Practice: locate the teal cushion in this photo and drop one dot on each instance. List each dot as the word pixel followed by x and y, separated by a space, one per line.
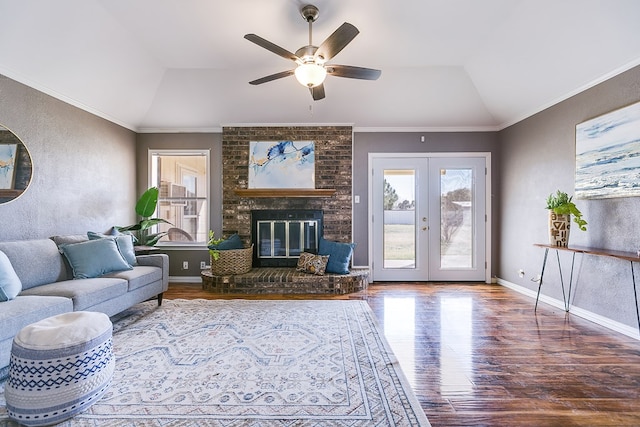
pixel 339 255
pixel 124 242
pixel 94 258
pixel 233 242
pixel 10 284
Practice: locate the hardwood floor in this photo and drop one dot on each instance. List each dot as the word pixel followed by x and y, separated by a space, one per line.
pixel 478 355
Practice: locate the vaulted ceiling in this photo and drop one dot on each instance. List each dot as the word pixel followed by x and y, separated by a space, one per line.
pixel 183 65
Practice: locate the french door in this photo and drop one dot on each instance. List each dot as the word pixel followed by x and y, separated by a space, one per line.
pixel 428 217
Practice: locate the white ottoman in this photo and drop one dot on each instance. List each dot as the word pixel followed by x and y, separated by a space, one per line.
pixel 59 367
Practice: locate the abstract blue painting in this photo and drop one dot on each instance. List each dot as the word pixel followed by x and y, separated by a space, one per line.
pixel 281 164
pixel 7 165
pixel 608 155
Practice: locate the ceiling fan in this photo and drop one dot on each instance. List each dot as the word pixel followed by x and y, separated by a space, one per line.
pixel 312 60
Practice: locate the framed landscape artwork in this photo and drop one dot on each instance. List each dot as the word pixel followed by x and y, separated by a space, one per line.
pixel 7 165
pixel 281 164
pixel 608 155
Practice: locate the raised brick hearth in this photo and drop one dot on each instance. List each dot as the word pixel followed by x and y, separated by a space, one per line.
pixel 275 280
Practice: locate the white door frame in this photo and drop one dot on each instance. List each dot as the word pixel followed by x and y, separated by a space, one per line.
pixel 488 192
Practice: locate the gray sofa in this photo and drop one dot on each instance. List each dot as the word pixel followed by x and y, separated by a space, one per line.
pixel 48 287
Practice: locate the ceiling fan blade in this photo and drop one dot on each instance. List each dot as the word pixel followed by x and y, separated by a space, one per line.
pixel 271 47
pixel 272 77
pixel 337 41
pixel 317 92
pixel 353 72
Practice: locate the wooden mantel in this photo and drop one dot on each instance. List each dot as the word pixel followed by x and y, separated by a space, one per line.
pixel 285 192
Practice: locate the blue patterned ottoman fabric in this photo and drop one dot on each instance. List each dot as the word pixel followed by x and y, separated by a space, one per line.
pixel 59 367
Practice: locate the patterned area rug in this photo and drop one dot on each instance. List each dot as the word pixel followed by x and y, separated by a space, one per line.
pixel 252 363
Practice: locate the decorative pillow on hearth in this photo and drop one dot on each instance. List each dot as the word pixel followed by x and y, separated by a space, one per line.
pixel 314 264
pixel 232 242
pixel 339 255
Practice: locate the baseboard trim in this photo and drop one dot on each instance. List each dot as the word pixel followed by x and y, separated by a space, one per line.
pixel 580 312
pixel 185 279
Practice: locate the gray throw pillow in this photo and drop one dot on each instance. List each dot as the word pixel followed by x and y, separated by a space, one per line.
pixel 124 242
pixel 10 284
pixel 94 258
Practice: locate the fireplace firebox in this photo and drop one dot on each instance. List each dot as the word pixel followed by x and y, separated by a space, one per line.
pixel 280 236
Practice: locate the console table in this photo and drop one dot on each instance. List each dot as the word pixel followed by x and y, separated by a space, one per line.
pixel 625 256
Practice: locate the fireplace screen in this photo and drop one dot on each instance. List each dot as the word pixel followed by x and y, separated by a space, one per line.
pixel 281 236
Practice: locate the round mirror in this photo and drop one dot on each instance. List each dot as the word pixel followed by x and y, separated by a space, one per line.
pixel 15 166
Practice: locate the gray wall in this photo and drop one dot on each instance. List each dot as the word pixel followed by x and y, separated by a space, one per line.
pixel 88 173
pixel 84 167
pixel 538 158
pixel 409 142
pixel 168 141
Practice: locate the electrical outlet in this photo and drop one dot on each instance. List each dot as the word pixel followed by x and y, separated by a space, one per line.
pixel 203 265
pixel 185 265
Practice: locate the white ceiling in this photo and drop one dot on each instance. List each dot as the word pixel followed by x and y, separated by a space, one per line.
pixel 183 65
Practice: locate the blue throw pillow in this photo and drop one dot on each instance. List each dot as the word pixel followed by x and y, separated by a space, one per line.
pixel 124 242
pixel 339 255
pixel 233 242
pixel 10 284
pixel 94 258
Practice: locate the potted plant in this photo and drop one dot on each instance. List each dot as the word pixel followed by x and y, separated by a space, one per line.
pixel 561 208
pixel 145 207
pixel 213 243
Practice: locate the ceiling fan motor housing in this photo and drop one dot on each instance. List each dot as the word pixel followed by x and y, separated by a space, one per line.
pixel 306 53
pixel 309 13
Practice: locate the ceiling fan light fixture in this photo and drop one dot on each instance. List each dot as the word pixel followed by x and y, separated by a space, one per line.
pixel 313 61
pixel 310 74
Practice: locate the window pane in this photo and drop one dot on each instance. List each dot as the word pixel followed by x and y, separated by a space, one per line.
pixel 457 227
pixel 182 178
pixel 399 219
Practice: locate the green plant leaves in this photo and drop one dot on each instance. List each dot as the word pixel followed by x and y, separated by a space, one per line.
pixel 215 254
pixel 146 205
pixel 556 200
pixel 561 204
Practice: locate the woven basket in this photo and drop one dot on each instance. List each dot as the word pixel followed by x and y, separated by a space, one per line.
pixel 232 261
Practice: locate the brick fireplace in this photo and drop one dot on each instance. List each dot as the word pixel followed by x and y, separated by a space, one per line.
pixel 333 174
pixel 333 170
